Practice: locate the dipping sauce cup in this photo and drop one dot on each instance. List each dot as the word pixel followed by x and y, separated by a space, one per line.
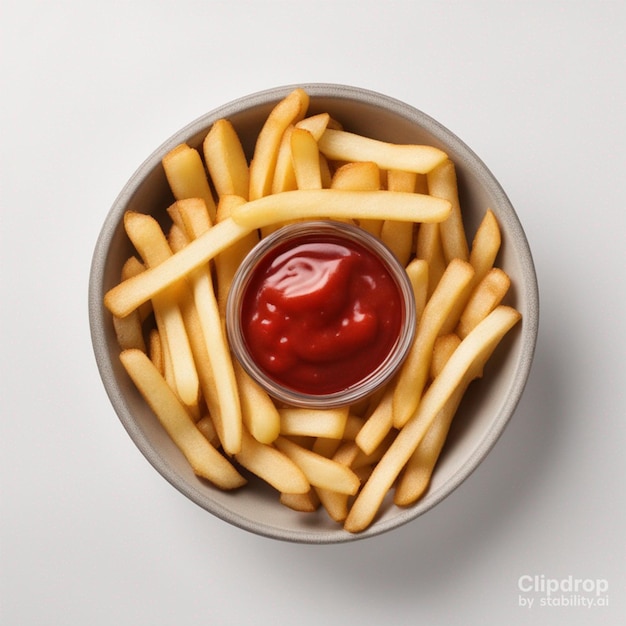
pixel 321 314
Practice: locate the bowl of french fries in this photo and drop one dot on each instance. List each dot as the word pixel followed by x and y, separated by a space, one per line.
pixel 207 198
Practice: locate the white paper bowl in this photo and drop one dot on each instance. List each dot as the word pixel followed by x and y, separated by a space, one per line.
pixel 489 402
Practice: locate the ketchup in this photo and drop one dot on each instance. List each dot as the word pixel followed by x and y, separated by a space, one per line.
pixel 321 313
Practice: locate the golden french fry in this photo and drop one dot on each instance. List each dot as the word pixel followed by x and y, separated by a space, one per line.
pixel 485 245
pixel 301 502
pixel 413 374
pixel 398 236
pixel 186 175
pixel 340 204
pixel 444 346
pixel 288 111
pixel 155 350
pixel 378 424
pixel 226 161
pixel 329 423
pixel 306 160
pixel 360 176
pixel 200 353
pixel 417 271
pixel 204 459
pixel 196 220
pixel 325 172
pixel 429 248
pixel 474 349
pixel 149 240
pixel 176 237
pixel 340 145
pixel 274 467
pixel 485 297
pixel 259 413
pixel 320 471
pixel 335 504
pixel 315 124
pixel 129 329
pixel 284 174
pixel 442 183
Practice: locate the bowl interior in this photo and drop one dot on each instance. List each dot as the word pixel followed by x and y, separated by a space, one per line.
pixel 489 402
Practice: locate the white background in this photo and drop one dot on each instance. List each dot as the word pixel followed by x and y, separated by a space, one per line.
pixel 90 533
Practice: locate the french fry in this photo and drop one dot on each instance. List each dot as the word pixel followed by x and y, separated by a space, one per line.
pixel 335 503
pixel 429 249
pixel 398 236
pixel 196 220
pixel 485 245
pixel 306 159
pixel 186 175
pixel 259 413
pixel 487 294
pixel 155 351
pixel 340 204
pixel 360 176
pixel 274 467
pixel 340 145
pixel 204 459
pixel 378 424
pixel 320 471
pixel 413 374
pixel 284 178
pixel 474 349
pixel 442 183
pixel 226 161
pixel 150 242
pixel 129 330
pixel 325 172
pixel 302 502
pixel 330 423
pixel 288 111
pixel 417 271
pixel 315 124
pixel 444 346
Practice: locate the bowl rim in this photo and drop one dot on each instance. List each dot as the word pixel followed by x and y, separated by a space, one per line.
pixel 98 315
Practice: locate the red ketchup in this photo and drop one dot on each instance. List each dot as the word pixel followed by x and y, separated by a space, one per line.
pixel 321 313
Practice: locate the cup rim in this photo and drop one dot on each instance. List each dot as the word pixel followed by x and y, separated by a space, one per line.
pixel 375 379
